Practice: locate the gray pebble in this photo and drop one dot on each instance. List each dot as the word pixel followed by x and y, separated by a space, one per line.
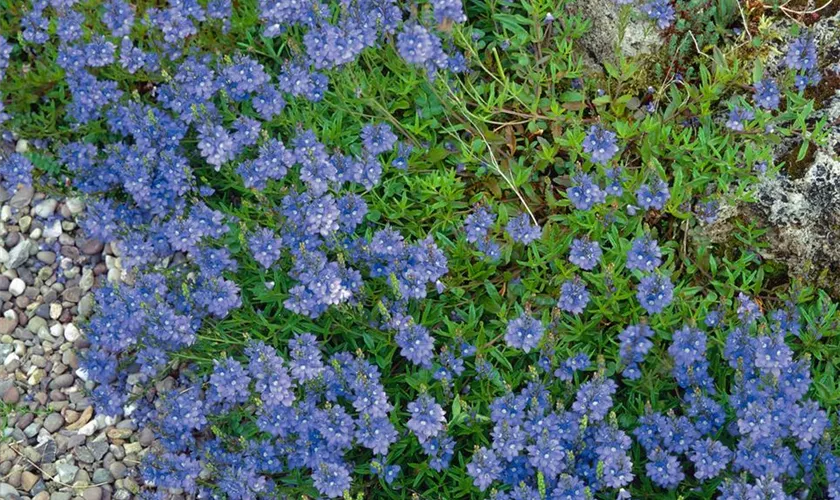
pixel 62 381
pixel 53 422
pixel 46 257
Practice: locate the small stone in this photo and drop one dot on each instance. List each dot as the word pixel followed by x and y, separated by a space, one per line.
pixel 36 323
pixel 11 396
pixel 9 491
pixel 75 205
pixel 7 326
pixel 22 197
pixel 116 433
pixel 66 472
pixel 17 287
pixel 42 496
pixel 118 470
pixel 46 257
pixel 61 495
pixel 20 253
pixel 48 452
pixel 90 246
pixel 84 455
pixel 53 422
pixel 55 311
pixel 88 429
pixel 62 381
pixel 98 449
pixel 133 447
pixel 72 294
pixel 102 476
pixel 25 223
pixel 28 480
pixel 46 208
pixel 71 333
pixel 92 493
pixel 53 229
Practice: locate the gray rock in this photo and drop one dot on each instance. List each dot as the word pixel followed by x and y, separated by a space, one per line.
pixel 66 472
pixel 84 455
pixel 22 197
pixel 20 253
pixel 92 493
pixel 46 257
pixel 48 451
pixel 98 449
pixel 61 495
pixel 601 39
pixel 53 422
pixel 102 476
pixel 62 381
pixel 8 491
pixel 118 470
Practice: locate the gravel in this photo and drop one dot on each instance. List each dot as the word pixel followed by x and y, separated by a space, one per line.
pixel 56 446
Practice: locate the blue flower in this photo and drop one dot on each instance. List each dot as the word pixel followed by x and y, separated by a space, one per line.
pixel 737 117
pixel 655 292
pixel 584 192
pixel 524 332
pixel 660 11
pixel 427 418
pixel 573 296
pixel 584 253
pixel 644 254
pixel 522 230
pixel 602 145
pixel 766 94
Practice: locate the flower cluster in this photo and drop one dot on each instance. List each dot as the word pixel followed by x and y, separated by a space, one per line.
pixel 310 415
pixel 536 443
pixel 778 433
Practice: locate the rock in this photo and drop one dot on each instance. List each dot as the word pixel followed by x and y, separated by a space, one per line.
pixel 36 323
pixel 602 37
pixel 72 294
pixel 11 396
pixel 22 197
pixel 83 454
pixel 20 253
pixel 8 491
pixel 71 333
pixel 48 451
pixel 88 429
pixel 62 381
pixel 102 476
pixel 800 210
pixel 90 246
pixel 25 223
pixel 61 495
pixel 46 208
pixel 118 470
pixel 42 496
pixel 66 472
pixel 98 449
pixel 7 326
pixel 55 311
pixel 92 493
pixel 53 229
pixel 53 422
pixel 17 287
pixel 46 257
pixel 75 205
pixel 28 480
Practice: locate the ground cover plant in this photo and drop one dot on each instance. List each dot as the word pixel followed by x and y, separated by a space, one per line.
pixel 381 249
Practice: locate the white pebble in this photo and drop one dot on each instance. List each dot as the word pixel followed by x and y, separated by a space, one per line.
pixel 17 287
pixel 57 330
pixel 82 374
pixel 88 429
pixel 22 146
pixel 71 333
pixel 5 213
pixel 53 230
